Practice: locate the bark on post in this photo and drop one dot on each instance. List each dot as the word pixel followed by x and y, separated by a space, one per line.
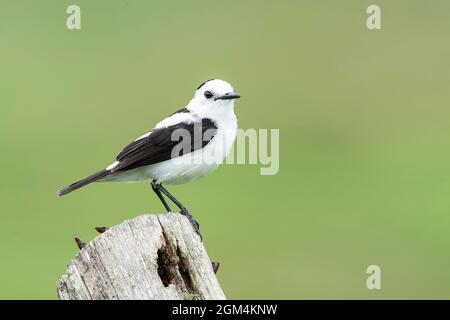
pixel 148 257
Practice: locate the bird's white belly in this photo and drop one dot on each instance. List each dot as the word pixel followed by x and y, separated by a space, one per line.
pixel 185 168
pixel 177 171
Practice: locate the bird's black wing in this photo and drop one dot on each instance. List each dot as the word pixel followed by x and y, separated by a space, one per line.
pixel 158 145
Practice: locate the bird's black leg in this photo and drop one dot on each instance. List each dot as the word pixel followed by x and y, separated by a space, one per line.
pixel 155 187
pixel 183 210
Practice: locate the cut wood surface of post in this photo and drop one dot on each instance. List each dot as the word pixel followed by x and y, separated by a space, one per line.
pixel 148 257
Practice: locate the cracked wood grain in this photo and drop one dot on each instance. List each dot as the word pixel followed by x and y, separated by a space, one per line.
pixel 148 257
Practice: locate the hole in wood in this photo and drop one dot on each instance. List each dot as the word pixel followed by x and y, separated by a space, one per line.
pixel 167 265
pixel 174 268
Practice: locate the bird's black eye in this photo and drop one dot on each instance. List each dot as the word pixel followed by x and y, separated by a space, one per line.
pixel 208 94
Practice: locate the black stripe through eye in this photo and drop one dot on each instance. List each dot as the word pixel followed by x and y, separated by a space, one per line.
pixel 204 83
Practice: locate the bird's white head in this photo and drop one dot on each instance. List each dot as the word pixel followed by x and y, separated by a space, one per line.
pixel 214 98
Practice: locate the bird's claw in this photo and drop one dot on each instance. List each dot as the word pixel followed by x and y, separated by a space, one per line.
pixel 193 222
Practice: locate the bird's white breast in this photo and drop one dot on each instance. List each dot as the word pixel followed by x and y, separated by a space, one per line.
pixel 198 163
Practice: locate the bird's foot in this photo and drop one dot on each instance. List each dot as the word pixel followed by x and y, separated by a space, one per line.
pixel 193 222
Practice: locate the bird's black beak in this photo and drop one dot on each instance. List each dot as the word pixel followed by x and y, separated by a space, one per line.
pixel 229 96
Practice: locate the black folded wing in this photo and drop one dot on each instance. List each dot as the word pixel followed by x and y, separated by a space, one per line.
pixel 158 145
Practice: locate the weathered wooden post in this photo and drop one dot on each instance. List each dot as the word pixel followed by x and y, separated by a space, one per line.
pixel 148 257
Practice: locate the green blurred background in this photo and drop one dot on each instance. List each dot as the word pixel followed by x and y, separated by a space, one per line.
pixel 364 125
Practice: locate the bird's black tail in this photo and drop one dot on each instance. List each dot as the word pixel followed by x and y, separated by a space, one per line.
pixel 76 185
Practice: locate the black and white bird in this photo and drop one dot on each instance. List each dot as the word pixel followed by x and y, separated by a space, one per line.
pixel 183 147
